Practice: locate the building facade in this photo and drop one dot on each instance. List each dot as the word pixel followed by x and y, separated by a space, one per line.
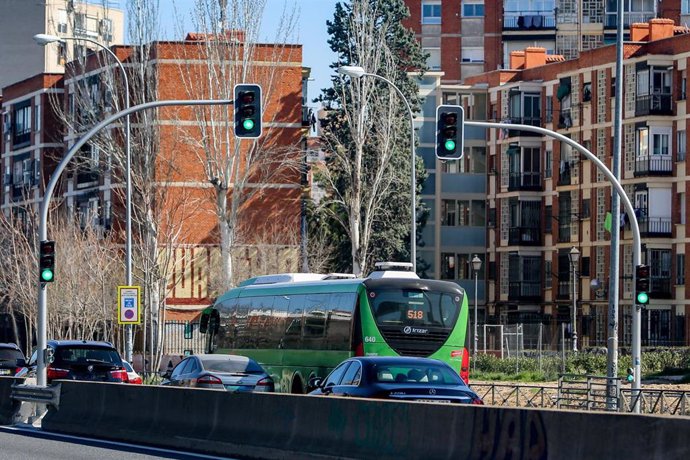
pixel 21 57
pixel 548 199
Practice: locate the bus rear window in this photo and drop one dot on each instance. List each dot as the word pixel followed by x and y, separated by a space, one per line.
pixel 414 307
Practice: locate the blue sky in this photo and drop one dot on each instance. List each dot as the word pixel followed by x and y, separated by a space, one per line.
pixel 311 32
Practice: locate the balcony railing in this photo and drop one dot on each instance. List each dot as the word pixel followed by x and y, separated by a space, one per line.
pixel 564 231
pixel 564 288
pixel 525 290
pixel 628 18
pixel 524 236
pixel 529 20
pixel 654 104
pixel 655 226
pixel 531 121
pixel 524 181
pixel 654 165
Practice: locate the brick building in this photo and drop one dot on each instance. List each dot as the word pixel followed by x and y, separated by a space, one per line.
pixel 93 188
pixel 544 198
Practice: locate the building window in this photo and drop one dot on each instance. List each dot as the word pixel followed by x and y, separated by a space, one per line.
pixel 587 92
pixel 21 125
pixel 473 10
pixel 682 145
pixel 472 55
pixel 683 86
pixel 680 269
pixel 433 61
pixel 447 266
pixel 681 205
pixel 463 213
pixel 586 208
pixel 548 163
pixel 431 12
pixel 584 267
pixel 547 274
pixel 548 216
pixel 448 213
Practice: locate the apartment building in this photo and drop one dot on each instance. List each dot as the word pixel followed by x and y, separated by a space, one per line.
pixel 464 38
pixel 20 20
pixel 545 199
pixel 92 188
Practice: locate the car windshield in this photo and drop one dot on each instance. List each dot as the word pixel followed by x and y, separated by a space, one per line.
pixel 415 373
pixel 86 354
pixel 10 355
pixel 246 366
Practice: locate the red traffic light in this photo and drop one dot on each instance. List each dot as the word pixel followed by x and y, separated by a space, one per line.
pixel 247 97
pixel 449 118
pixel 642 271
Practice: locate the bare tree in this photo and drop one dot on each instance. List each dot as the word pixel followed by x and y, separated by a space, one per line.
pixel 238 171
pixel 366 134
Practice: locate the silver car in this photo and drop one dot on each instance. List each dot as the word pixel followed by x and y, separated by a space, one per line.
pixel 221 372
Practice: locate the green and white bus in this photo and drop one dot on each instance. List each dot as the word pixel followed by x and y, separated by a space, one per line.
pixel 300 326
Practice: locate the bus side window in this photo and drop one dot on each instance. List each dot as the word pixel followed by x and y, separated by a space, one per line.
pixel 292 336
pixel 340 310
pixel 276 328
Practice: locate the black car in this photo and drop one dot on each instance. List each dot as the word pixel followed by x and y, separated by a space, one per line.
pixel 399 378
pixel 11 359
pixel 83 360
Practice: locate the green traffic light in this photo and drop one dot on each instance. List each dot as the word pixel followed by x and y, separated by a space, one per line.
pixel 47 275
pixel 631 377
pixel 449 145
pixel 248 124
pixel 642 298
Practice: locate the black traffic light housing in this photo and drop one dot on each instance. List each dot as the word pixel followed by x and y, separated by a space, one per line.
pixel 642 284
pixel 46 261
pixel 247 111
pixel 449 132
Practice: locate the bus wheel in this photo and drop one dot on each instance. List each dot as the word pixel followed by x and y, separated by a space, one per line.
pixel 297 386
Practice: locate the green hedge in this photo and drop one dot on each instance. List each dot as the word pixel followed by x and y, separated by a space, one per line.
pixel 592 362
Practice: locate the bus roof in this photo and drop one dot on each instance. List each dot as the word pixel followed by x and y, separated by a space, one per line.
pixel 299 287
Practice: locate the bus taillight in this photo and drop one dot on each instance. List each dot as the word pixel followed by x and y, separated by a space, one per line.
pixel 465 367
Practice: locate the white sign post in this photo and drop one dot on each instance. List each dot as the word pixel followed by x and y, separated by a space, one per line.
pixel 128 305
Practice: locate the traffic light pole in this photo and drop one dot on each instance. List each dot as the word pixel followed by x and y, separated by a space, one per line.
pixel 42 320
pixel 637 245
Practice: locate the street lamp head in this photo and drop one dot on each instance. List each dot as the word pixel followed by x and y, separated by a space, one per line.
pixel 476 263
pixel 574 255
pixel 351 71
pixel 44 39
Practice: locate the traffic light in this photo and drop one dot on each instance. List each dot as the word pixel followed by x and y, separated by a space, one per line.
pixel 631 375
pixel 46 262
pixel 247 111
pixel 642 284
pixel 449 132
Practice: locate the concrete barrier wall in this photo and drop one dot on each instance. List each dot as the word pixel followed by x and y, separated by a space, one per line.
pixel 291 426
pixel 9 408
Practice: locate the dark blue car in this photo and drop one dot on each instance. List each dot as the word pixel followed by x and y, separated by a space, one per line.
pixel 398 378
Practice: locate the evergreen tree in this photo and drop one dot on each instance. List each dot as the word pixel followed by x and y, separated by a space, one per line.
pixel 367 134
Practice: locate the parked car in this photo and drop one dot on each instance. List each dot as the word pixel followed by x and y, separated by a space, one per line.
pixel 11 359
pixel 82 360
pixel 132 376
pixel 222 372
pixel 398 378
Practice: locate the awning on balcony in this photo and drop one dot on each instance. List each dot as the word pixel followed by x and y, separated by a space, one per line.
pixel 563 88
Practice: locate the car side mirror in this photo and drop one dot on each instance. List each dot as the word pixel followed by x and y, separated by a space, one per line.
pixel 314 383
pixel 166 375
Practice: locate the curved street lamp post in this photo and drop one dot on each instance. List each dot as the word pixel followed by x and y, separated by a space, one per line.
pixel 44 39
pixel 359 72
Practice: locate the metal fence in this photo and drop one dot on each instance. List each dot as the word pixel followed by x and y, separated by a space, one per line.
pixel 183 338
pixel 586 393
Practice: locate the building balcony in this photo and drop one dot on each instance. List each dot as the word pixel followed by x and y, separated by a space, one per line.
pixel 531 121
pixel 529 20
pixel 660 288
pixel 528 181
pixel 524 236
pixel 631 17
pixel 654 104
pixel 525 290
pixel 654 165
pixel 564 233
pixel 564 289
pixel 659 227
